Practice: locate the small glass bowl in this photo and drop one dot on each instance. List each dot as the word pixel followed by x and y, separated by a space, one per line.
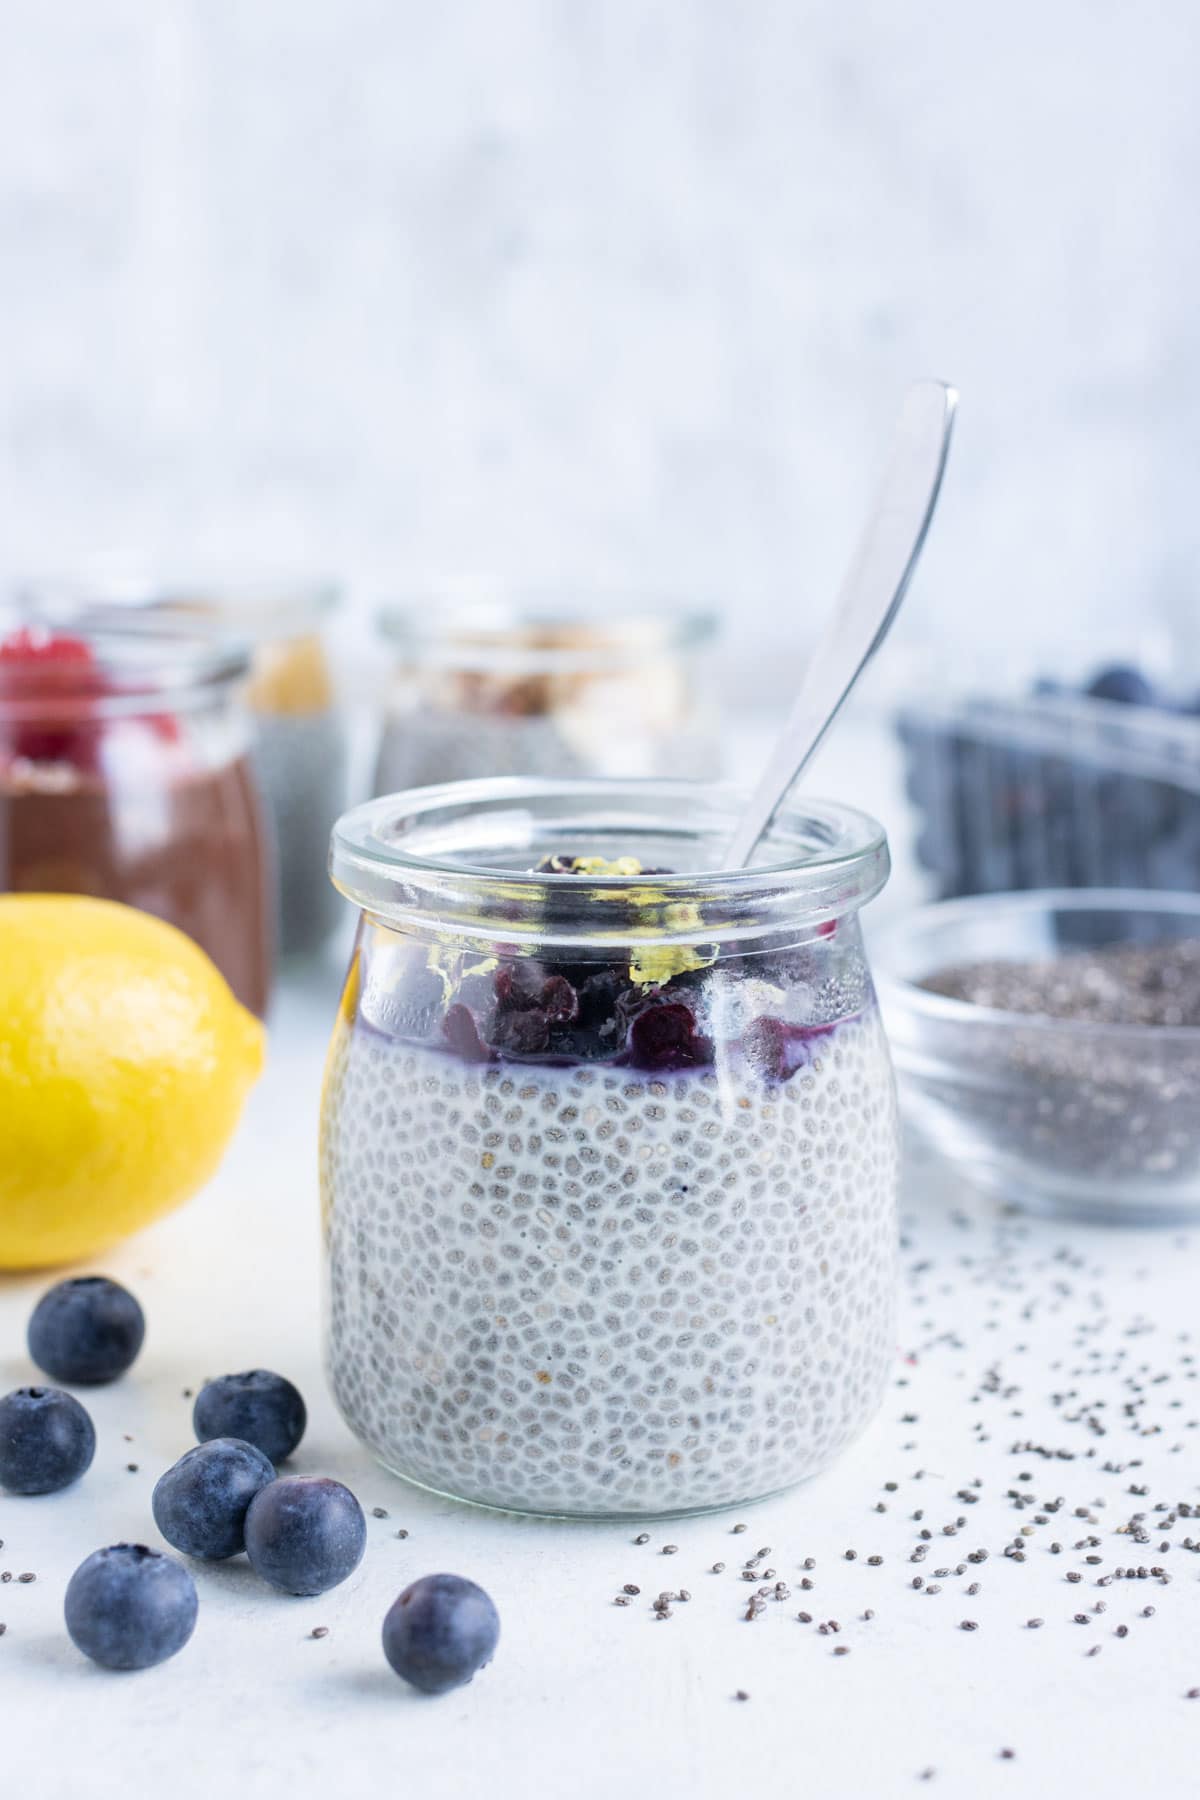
pixel 1058 1116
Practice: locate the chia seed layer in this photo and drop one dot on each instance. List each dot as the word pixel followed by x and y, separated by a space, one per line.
pixel 594 1252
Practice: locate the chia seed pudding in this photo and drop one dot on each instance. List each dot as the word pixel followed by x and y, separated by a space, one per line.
pixel 486 691
pixel 609 1204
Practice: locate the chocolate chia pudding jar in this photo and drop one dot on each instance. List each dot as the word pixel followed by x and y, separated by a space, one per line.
pixel 125 774
pixel 299 744
pixel 534 688
pixel 608 1146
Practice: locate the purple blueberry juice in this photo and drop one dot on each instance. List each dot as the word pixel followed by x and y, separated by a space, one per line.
pixel 608 1150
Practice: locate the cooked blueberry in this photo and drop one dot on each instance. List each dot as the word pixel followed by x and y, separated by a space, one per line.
pixel 462 1034
pixel 1120 682
pixel 305 1533
pixel 128 1607
pixel 440 1632
pixel 260 1408
pixel 777 1049
pixel 86 1330
pixel 200 1504
pixel 559 1000
pixel 519 983
pixel 521 1033
pixel 47 1440
pixel 664 1036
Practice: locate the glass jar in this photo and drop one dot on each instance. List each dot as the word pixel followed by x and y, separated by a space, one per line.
pixel 608 1157
pixel 125 774
pixel 491 689
pixel 300 751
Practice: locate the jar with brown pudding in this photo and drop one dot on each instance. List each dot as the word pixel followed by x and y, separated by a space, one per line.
pixel 124 774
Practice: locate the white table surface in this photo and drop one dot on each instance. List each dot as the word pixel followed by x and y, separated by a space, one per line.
pixel 999 1316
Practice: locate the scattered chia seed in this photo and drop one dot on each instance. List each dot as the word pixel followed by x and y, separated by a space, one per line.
pixel 379 1512
pixel 632 1588
pixel 27 1577
pixel 319 1631
pixel 670 1549
pixel 741 1693
pixel 643 1537
pixel 402 1533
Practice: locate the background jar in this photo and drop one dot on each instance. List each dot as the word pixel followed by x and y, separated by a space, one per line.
pixel 125 774
pixel 535 685
pixel 300 748
pixel 608 1162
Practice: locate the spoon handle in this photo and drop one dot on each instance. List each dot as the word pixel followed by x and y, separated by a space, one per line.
pixel 870 598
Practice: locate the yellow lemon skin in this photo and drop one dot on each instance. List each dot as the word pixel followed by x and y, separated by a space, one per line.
pixel 124 1064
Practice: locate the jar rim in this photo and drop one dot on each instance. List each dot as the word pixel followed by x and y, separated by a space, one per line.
pixel 131 665
pixel 254 609
pixel 421 858
pixel 541 629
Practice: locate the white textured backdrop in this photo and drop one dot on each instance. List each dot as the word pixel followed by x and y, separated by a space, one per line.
pixel 624 290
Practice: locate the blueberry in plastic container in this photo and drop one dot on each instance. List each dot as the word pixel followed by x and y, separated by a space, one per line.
pixel 86 1330
pixel 200 1504
pixel 128 1607
pixel 1123 683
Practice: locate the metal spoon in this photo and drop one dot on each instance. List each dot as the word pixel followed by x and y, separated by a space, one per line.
pixel 870 599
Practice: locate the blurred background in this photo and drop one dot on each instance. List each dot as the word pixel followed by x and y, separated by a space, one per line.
pixel 622 297
pixel 618 292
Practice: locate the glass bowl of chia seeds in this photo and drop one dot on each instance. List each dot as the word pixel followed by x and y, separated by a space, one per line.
pixel 1049 1042
pixel 608 1146
pixel 486 682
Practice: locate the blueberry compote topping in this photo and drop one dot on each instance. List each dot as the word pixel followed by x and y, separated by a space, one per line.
pixel 653 1010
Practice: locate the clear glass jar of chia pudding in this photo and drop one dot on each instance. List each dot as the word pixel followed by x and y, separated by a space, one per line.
pixel 536 684
pixel 608 1146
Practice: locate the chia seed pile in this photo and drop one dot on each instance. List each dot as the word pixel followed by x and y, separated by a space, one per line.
pixel 1123 984
pixel 1106 1122
pixel 1040 1482
pixel 602 1247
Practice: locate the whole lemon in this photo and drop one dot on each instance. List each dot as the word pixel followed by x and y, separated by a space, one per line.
pixel 124 1063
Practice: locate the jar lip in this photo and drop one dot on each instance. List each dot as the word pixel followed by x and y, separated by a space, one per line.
pixel 132 663
pixel 250 609
pixel 394 858
pixel 541 629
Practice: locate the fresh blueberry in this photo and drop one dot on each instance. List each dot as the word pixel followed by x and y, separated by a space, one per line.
pixel 86 1330
pixel 305 1533
pixel 664 1036
pixel 1122 683
pixel 440 1632
pixel 128 1607
pixel 47 1440
pixel 260 1408
pixel 200 1504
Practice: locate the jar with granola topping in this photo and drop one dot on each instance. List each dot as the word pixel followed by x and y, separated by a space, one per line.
pixel 491 689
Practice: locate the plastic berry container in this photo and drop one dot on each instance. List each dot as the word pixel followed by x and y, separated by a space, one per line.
pixel 1059 789
pixel 608 1146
